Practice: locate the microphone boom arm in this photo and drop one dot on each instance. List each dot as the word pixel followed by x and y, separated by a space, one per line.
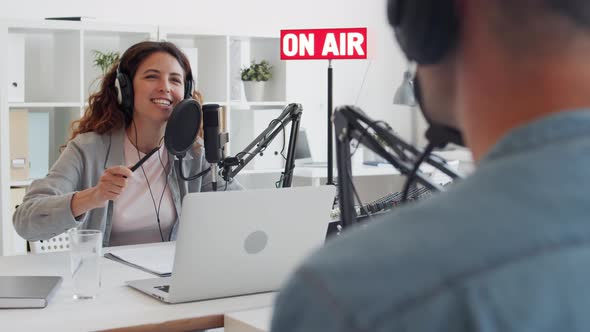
pixel 350 123
pixel 291 114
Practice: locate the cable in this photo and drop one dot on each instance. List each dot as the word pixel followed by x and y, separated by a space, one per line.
pixel 284 138
pixel 356 195
pixel 157 209
pixel 365 131
pixel 167 170
pixel 194 177
pixel 358 95
pixel 410 178
pixel 240 154
pixel 284 135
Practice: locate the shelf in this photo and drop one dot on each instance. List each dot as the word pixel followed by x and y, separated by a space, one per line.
pixel 220 103
pixel 45 105
pixel 100 28
pixel 258 103
pixel 21 184
pixel 28 26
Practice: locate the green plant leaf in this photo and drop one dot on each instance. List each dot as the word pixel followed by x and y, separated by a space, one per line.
pixel 257 71
pixel 104 60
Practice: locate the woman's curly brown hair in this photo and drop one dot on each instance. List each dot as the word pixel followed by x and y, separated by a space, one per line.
pixel 104 113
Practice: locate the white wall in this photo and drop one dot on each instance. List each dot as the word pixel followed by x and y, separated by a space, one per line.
pixel 266 17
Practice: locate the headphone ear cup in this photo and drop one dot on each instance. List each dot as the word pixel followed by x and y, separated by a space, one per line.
pixel 188 89
pixel 124 88
pixel 426 30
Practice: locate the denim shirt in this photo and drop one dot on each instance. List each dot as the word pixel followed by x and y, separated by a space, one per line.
pixel 507 249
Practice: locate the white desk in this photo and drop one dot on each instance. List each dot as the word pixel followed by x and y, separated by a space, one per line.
pixel 116 306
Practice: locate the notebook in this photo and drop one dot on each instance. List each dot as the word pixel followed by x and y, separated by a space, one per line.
pixel 27 291
pixel 156 260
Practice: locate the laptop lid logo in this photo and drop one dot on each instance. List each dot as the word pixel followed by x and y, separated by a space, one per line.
pixel 255 242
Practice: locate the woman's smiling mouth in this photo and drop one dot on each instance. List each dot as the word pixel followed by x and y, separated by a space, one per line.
pixel 161 101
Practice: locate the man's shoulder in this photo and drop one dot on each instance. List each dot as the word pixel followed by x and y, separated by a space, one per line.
pixel 394 241
pixel 378 268
pixel 367 272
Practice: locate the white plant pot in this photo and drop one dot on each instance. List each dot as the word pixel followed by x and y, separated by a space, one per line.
pixel 254 90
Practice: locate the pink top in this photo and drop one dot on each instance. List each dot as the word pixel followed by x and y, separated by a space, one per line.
pixel 134 216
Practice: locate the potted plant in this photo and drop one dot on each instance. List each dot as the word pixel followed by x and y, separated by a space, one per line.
pixel 104 60
pixel 254 78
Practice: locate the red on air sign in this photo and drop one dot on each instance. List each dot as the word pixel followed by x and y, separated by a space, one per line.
pixel 329 44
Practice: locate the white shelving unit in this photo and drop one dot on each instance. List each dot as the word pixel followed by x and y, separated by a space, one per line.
pixel 47 75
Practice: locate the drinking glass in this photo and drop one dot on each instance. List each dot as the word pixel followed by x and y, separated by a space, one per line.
pixel 86 250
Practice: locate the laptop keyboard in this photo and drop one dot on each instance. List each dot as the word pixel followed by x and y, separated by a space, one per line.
pixel 165 288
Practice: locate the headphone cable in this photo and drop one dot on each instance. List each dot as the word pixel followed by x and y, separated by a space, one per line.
pixel 156 209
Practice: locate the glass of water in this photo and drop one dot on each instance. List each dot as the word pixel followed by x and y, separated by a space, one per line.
pixel 86 250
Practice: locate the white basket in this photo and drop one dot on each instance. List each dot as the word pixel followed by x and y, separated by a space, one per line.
pixel 54 244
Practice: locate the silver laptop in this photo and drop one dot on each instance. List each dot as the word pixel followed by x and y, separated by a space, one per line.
pixel 242 242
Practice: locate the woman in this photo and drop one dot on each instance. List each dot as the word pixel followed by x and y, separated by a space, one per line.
pixel 91 186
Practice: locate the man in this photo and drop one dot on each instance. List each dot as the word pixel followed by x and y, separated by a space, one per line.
pixel 507 249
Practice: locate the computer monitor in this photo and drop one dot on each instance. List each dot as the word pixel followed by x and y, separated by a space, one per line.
pixel 302 151
pixel 303 156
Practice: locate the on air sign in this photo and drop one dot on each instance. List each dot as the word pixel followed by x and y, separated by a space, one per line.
pixel 334 44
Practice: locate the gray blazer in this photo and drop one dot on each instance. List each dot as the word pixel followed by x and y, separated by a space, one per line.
pixel 46 212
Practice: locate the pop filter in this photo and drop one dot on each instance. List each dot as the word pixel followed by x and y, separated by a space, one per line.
pixel 182 127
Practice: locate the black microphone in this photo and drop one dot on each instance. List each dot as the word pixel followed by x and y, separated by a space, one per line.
pixel 182 127
pixel 437 134
pixel 213 146
pixel 212 137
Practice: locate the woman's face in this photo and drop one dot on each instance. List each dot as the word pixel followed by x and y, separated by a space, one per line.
pixel 158 85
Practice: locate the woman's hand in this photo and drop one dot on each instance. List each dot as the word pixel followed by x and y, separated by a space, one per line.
pixel 110 185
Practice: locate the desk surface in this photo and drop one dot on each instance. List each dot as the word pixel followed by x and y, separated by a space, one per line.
pixel 116 305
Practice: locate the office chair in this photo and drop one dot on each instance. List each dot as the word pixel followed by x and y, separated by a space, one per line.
pixel 57 243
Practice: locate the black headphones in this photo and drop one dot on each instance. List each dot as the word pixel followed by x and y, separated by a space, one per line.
pixel 426 30
pixel 124 88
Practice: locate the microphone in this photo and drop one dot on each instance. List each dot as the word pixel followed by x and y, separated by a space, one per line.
pixel 437 134
pixel 182 127
pixel 213 139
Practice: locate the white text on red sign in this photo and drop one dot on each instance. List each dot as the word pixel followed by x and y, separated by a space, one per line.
pixel 346 43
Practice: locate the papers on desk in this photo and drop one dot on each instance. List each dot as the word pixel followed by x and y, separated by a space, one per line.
pixel 157 260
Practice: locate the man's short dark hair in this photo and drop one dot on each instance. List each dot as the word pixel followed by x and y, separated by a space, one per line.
pixel 535 25
pixel 578 11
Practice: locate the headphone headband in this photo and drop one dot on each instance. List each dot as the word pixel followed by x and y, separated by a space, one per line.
pixel 427 30
pixel 124 89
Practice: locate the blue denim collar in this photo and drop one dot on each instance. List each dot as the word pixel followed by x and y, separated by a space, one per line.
pixel 548 130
